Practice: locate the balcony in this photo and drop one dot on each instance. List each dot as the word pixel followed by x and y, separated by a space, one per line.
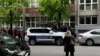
pixel 32 11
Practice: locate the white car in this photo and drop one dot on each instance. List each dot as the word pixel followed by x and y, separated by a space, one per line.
pixel 90 37
pixel 44 34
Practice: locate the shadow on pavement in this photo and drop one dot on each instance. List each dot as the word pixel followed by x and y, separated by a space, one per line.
pixel 45 44
pixel 92 45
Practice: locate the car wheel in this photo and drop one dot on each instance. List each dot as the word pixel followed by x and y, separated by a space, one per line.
pixel 32 42
pixel 59 41
pixel 89 42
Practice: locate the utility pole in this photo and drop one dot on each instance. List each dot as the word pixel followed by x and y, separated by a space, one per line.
pixel 24 25
pixel 11 20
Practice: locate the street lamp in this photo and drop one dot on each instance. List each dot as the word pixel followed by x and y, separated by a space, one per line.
pixel 11 22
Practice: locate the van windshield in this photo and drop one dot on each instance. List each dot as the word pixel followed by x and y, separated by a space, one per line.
pixel 54 30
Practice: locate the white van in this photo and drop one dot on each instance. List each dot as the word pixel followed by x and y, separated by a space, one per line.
pixel 44 34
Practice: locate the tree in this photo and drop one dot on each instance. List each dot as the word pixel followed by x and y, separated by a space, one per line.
pixel 11 10
pixel 57 10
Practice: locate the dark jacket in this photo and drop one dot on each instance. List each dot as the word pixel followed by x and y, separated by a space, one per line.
pixel 67 45
pixel 73 33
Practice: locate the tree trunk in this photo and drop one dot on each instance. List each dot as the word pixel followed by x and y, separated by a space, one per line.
pixel 58 26
pixel 58 21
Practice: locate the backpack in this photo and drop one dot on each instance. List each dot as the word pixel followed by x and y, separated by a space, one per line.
pixel 72 41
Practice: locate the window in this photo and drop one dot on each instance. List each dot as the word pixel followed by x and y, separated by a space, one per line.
pixel 35 30
pixel 27 19
pixel 88 20
pixel 88 1
pixel 43 19
pixel 28 24
pixel 21 23
pixel 32 24
pixel 94 6
pixel 88 4
pixel 94 0
pixel 45 31
pixel 81 20
pixel 96 32
pixel 39 30
pixel 82 7
pixel 94 20
pixel 72 18
pixel 81 1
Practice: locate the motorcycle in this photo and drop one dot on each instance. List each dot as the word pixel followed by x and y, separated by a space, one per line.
pixel 17 52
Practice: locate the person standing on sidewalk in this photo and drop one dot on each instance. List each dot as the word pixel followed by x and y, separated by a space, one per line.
pixel 68 45
pixel 73 33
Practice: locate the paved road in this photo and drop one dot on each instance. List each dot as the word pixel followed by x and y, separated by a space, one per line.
pixel 50 50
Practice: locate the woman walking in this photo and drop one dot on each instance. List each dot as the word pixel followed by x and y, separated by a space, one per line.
pixel 69 43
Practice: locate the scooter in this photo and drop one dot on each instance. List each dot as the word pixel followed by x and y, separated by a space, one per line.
pixel 17 52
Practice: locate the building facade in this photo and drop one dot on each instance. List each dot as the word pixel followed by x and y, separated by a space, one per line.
pixel 87 14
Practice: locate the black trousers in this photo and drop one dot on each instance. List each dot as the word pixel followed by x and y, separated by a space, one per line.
pixel 71 53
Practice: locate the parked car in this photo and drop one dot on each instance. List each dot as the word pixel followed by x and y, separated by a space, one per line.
pixel 44 34
pixel 9 46
pixel 90 37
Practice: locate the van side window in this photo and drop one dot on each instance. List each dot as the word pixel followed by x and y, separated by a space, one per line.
pixel 39 30
pixel 35 30
pixel 45 31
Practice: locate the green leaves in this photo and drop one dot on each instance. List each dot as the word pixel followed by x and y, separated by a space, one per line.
pixel 12 5
pixel 52 8
pixel 57 10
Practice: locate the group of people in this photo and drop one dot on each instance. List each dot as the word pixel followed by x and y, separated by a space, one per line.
pixel 14 33
pixel 69 42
